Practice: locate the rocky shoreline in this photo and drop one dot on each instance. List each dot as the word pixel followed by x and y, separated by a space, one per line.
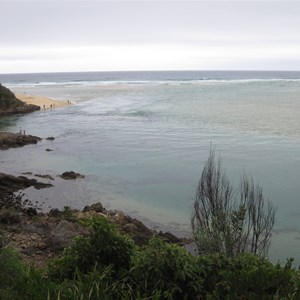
pixel 39 237
pixel 14 140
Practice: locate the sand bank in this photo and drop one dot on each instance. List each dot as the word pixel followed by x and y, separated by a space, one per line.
pixel 42 102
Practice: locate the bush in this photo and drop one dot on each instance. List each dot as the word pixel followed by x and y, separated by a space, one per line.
pixel 105 246
pixel 1 239
pixel 12 273
pixel 247 277
pixel 166 268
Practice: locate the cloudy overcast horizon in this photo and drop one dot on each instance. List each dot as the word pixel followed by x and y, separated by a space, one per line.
pixel 66 36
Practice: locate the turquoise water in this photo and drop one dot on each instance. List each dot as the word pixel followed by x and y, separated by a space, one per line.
pixel 142 138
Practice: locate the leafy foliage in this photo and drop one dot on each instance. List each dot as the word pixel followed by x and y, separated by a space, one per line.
pixel 247 277
pixel 116 269
pixel 104 247
pixel 165 267
pixel 1 239
pixel 12 272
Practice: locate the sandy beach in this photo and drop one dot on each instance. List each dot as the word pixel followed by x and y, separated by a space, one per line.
pixel 42 102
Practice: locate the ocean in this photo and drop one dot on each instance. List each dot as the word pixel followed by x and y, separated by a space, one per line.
pixel 142 138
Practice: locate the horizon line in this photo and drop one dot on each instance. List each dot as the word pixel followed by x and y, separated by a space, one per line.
pixel 137 71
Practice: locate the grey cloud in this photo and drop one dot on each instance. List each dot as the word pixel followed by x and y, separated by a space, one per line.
pixel 223 24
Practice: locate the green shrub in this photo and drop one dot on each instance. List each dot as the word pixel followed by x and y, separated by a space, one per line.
pixel 1 239
pixel 106 265
pixel 12 273
pixel 105 246
pixel 38 286
pixel 83 286
pixel 246 277
pixel 97 284
pixel 168 269
pixel 94 285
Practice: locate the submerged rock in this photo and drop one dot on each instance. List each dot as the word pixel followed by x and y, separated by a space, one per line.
pixel 27 173
pixel 71 175
pixel 44 176
pixel 10 184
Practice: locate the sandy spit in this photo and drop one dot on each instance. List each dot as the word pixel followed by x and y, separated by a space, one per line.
pixel 42 102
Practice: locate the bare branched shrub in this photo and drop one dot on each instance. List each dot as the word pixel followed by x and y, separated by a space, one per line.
pixel 230 221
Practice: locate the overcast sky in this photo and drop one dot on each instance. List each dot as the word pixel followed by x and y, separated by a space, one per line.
pixel 50 36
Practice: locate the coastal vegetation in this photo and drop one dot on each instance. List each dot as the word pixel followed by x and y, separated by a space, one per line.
pixel 107 265
pixel 230 221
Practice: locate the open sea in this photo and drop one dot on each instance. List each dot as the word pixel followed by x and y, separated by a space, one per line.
pixel 142 138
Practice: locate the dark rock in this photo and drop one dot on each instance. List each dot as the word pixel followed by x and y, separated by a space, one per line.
pixel 44 176
pixel 48 150
pixel 30 211
pixel 169 237
pixel 87 208
pixel 54 212
pixel 97 207
pixel 10 184
pixel 111 213
pixel 39 227
pixel 63 233
pixel 138 231
pixel 71 175
pixel 130 228
pixel 15 140
pixel 141 227
pixel 50 138
pixel 135 228
pixel 9 217
pixel 27 173
pixel 10 201
pixel 121 219
pixel 9 104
